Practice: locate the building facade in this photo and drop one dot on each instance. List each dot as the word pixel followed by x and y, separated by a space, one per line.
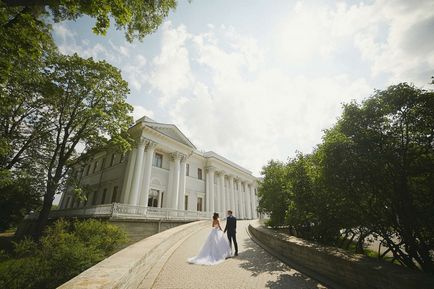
pixel 165 170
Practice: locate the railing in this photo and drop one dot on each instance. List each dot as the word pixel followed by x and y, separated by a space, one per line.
pixel 116 210
pixel 126 211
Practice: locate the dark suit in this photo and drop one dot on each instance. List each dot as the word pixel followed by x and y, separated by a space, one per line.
pixel 231 228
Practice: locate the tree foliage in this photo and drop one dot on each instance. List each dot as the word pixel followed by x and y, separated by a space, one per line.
pixel 25 46
pixel 85 103
pixel 373 174
pixel 136 18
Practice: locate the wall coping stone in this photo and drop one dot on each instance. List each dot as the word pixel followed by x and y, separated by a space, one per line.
pixel 336 267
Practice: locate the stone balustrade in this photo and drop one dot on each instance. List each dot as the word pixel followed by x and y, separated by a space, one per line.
pixel 116 210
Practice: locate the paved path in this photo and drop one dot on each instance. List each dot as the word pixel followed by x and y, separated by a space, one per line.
pixel 253 268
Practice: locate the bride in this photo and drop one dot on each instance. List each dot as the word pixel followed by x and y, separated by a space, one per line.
pixel 216 248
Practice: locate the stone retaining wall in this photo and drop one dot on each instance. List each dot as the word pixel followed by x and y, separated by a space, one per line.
pixel 138 229
pixel 352 271
pixel 128 267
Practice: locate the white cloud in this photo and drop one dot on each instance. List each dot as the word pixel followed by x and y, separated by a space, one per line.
pixel 71 43
pixel 135 72
pixel 252 119
pixel 305 34
pixel 139 111
pixel 172 72
pixel 394 37
pixel 251 99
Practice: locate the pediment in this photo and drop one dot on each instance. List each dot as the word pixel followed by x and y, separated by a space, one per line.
pixel 171 131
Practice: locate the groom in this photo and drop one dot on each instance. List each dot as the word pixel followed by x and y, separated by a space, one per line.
pixel 231 226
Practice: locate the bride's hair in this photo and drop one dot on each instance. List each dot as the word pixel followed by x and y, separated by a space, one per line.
pixel 215 216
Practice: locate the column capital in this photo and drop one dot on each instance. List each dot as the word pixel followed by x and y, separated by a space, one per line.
pixel 176 156
pixel 211 169
pixel 151 145
pixel 221 172
pixel 141 140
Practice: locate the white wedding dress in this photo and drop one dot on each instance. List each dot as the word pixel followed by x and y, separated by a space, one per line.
pixel 215 250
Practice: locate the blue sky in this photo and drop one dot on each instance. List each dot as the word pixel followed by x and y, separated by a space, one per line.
pixel 260 80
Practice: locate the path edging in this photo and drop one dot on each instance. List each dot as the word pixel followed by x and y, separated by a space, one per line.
pixel 336 267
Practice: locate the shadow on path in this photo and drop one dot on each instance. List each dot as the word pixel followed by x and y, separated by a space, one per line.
pixel 256 260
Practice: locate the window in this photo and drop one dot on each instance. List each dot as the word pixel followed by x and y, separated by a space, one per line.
pixel 112 159
pixel 187 170
pixel 236 185
pixel 158 160
pixel 199 174
pixel 68 202
pixel 87 169
pixel 186 202
pixel 122 158
pixel 153 198
pixel 95 166
pixel 104 193
pixel 199 204
pixel 115 194
pixel 162 197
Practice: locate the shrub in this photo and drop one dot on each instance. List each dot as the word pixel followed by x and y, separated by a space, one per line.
pixel 65 250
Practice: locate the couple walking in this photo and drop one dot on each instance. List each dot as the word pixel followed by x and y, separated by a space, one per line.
pixel 217 248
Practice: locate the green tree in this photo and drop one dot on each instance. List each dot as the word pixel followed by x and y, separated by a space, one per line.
pixel 373 174
pixel 272 192
pixel 84 104
pixel 392 136
pixel 136 18
pixel 26 43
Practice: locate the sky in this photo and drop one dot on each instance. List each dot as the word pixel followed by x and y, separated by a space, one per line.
pixel 261 80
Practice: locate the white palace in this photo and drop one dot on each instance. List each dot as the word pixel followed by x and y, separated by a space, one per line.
pixel 163 174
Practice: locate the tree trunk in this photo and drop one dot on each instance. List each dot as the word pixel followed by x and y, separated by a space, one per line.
pixel 42 221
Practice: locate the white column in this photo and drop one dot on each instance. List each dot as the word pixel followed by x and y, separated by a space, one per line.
pixel 236 198
pixel 159 199
pixel 242 201
pixel 254 203
pixel 223 207
pixel 218 194
pixel 228 194
pixel 149 155
pixel 231 194
pixel 173 194
pixel 134 194
pixel 248 202
pixel 181 193
pixel 252 198
pixel 128 177
pixel 207 191
pixel 211 189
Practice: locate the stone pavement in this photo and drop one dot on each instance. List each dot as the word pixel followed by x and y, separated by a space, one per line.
pixel 253 268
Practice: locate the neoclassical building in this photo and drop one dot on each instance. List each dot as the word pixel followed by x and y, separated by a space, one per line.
pixel 165 170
